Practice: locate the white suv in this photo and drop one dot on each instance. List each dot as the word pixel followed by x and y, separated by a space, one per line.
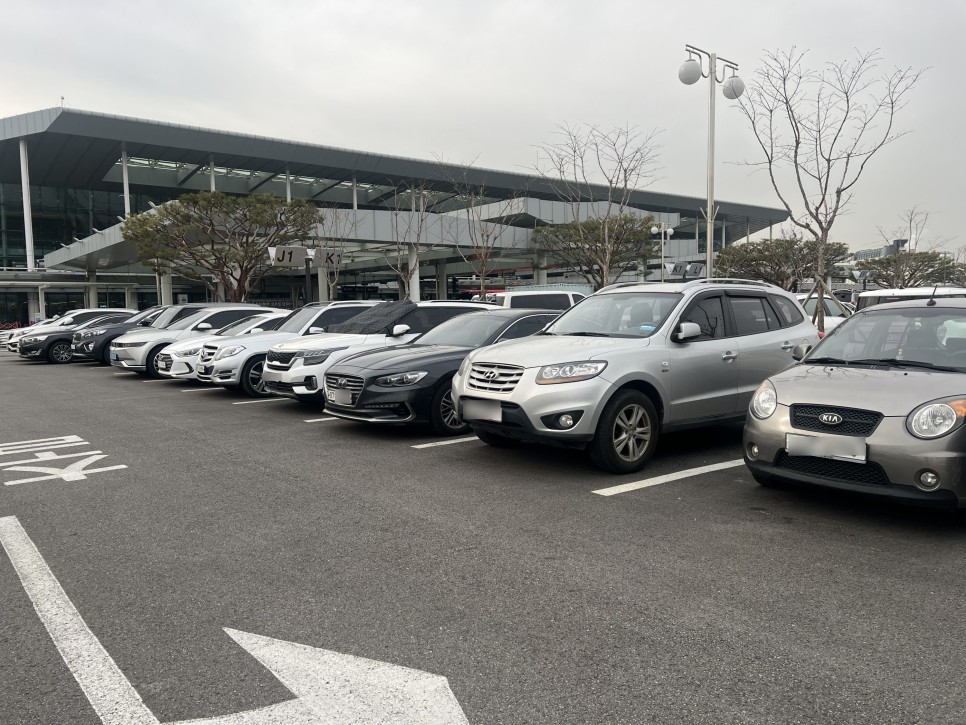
pixel 295 368
pixel 630 361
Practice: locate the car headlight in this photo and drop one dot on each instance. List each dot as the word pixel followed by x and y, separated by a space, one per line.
pixel 314 357
pixel 129 344
pixel 188 353
pixel 229 351
pixel 765 401
pixel 93 332
pixel 935 419
pixel 400 379
pixel 35 338
pixel 570 372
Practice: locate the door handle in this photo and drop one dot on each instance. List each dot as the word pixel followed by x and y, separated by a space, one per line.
pixel 787 345
pixel 729 356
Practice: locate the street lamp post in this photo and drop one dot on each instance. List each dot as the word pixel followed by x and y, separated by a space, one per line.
pixel 666 233
pixel 732 87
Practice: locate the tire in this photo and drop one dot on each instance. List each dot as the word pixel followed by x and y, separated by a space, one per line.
pixel 105 358
pixel 442 412
pixel 626 434
pixel 60 353
pixel 151 363
pixel 495 439
pixel 251 378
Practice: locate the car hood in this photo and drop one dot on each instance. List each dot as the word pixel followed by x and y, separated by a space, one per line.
pixel 856 387
pixel 325 341
pixel 402 358
pixel 150 335
pixel 193 342
pixel 540 350
pixel 255 341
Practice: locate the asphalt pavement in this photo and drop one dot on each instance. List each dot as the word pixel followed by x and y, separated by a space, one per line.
pixel 192 513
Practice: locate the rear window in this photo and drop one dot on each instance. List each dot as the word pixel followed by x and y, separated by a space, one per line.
pixel 790 313
pixel 549 301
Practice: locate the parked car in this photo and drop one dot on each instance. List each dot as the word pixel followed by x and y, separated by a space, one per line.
pixel 74 317
pixel 93 343
pixel 54 344
pixel 835 310
pixel 877 407
pixel 239 363
pixel 295 368
pixel 413 382
pixel 138 350
pixel 880 296
pixel 180 359
pixel 543 299
pixel 632 361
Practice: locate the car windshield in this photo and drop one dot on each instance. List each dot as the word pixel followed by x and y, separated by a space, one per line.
pixel 165 318
pixel 142 315
pixel 470 330
pixel 185 322
pixel 298 319
pixel 618 314
pixel 237 328
pixel 929 337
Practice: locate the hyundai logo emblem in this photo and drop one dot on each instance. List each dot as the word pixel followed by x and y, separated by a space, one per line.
pixel 489 374
pixel 830 418
pixel 341 382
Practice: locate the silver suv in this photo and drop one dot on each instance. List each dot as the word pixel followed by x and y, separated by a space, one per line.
pixel 631 361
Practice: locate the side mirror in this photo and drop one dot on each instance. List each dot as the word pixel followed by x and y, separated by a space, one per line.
pixel 203 326
pixel 686 331
pixel 315 330
pixel 398 330
pixel 253 331
pixel 800 351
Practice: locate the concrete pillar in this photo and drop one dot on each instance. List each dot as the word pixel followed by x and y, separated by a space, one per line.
pixel 35 304
pixel 441 290
pixel 355 195
pixel 125 184
pixel 130 298
pixel 540 269
pixel 167 293
pixel 288 186
pixel 211 171
pixel 91 290
pixel 323 282
pixel 28 218
pixel 413 268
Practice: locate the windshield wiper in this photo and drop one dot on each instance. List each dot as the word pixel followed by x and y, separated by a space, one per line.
pixel 588 334
pixel 896 362
pixel 828 361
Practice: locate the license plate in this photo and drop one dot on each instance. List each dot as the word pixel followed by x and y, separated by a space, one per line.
pixel 162 364
pixel 483 410
pixel 839 448
pixel 113 356
pixel 339 396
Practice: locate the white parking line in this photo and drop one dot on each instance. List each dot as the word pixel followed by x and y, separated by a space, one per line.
pixel 125 373
pixel 449 442
pixel 158 380
pixel 264 400
pixel 317 420
pixel 200 390
pixel 647 482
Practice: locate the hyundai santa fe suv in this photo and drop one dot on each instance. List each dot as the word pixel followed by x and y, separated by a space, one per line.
pixel 629 362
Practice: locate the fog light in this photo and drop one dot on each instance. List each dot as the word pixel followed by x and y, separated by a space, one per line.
pixel 928 481
pixel 753 451
pixel 311 383
pixel 565 421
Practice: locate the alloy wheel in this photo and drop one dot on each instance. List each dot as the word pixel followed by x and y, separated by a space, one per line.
pixel 631 433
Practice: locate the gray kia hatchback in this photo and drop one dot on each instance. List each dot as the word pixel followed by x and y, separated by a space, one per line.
pixel 876 407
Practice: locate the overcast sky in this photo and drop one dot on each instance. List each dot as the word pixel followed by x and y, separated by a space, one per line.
pixel 487 82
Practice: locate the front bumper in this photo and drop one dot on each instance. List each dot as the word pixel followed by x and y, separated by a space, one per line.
pixel 181 368
pixel 85 350
pixel 894 461
pixel 300 381
pixel 377 404
pixel 129 358
pixel 32 350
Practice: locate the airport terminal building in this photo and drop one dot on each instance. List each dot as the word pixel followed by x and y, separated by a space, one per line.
pixel 68 178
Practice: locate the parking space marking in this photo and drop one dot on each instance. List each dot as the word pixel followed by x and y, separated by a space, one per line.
pixel 658 480
pixel 318 420
pixel 158 380
pixel 449 442
pixel 125 373
pixel 42 451
pixel 263 400
pixel 200 390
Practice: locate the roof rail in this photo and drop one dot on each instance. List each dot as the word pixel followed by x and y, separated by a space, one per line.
pixel 616 285
pixel 729 280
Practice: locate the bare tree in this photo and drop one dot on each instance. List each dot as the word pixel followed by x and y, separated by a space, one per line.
pixel 481 230
pixel 818 130
pixel 912 227
pixel 412 232
pixel 595 173
pixel 336 226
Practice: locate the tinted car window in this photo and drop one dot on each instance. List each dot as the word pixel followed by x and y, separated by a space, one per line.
pixel 789 312
pixel 335 315
pixel 526 327
pixel 547 301
pixel 749 314
pixel 708 314
pixel 423 319
pixel 220 319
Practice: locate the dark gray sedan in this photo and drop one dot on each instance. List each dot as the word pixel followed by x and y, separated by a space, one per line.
pixel 877 407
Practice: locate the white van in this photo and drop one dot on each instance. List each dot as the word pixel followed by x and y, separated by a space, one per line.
pixel 543 299
pixel 878 296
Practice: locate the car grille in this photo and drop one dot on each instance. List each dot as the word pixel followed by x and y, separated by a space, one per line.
pixel 280 359
pixel 165 358
pixel 494 378
pixel 346 382
pixel 866 473
pixel 208 353
pixel 854 422
pixel 276 386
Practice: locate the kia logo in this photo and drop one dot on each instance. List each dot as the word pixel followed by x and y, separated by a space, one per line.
pixel 830 418
pixel 489 375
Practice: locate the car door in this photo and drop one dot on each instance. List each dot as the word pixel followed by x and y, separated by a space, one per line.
pixel 764 345
pixel 702 373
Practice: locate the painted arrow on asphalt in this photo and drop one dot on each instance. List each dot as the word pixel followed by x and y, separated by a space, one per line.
pixel 329 687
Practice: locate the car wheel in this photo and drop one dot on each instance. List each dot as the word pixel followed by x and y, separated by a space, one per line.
pixel 151 364
pixel 251 378
pixel 495 439
pixel 626 434
pixel 60 352
pixel 442 412
pixel 106 354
